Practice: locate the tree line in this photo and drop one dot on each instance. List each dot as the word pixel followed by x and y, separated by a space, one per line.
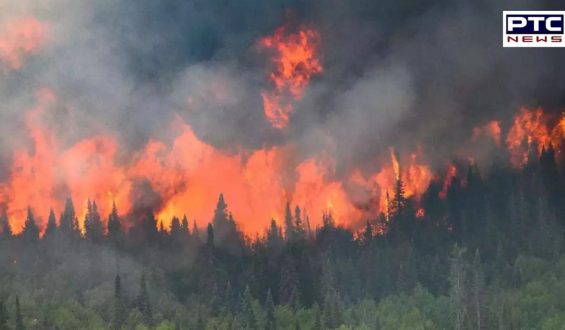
pixel 488 254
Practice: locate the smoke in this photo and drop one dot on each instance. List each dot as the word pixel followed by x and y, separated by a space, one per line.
pixel 395 73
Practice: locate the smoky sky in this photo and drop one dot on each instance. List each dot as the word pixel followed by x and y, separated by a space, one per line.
pixel 399 73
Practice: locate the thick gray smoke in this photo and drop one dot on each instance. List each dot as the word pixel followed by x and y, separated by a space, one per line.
pixel 395 73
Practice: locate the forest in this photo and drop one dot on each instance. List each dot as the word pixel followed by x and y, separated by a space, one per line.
pixel 487 254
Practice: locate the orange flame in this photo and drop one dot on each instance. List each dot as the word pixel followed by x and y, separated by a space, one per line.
pixel 416 177
pixel 451 173
pixel 187 177
pixel 295 61
pixel 529 130
pixel 490 129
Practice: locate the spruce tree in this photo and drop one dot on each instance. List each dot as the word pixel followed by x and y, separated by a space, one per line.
pixel 299 230
pixel 94 229
pixel 210 235
pixel 51 229
pixel 220 213
pixel 143 302
pixel 115 230
pixel 30 232
pixel 477 287
pixel 68 225
pixel 149 227
pixel 18 318
pixel 270 322
pixel 288 223
pixel 246 308
pixel 458 290
pixel 120 312
pixel 177 233
pixel 3 316
pixel 289 281
pixel 5 226
pixel 195 234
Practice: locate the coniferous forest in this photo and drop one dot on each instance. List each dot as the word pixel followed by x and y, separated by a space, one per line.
pixel 489 255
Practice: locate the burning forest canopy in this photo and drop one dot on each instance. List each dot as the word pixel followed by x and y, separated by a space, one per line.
pixel 157 105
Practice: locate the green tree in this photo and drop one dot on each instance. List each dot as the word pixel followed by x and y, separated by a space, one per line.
pixel 143 302
pixel 288 223
pixel 299 230
pixel 246 308
pixel 477 287
pixel 458 290
pixel 68 225
pixel 30 232
pixel 271 322
pixel 210 235
pixel 3 316
pixel 18 317
pixel 94 229
pixel 51 229
pixel 5 226
pixel 115 230
pixel 120 311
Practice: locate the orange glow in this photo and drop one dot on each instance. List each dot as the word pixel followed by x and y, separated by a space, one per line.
pixel 295 61
pixel 490 129
pixel 187 176
pixel 529 129
pixel 451 173
pixel 19 37
pixel 43 175
pixel 416 177
pixel 420 213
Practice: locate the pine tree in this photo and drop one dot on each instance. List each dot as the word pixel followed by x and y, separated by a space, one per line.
pixel 195 234
pixel 3 316
pixel 288 223
pixel 317 318
pixel 477 286
pixel 246 307
pixel 94 229
pixel 5 226
pixel 274 239
pixel 399 200
pixel 332 310
pixel 220 213
pixel 149 227
pixel 120 311
pixel 271 322
pixel 115 230
pixel 210 235
pixel 177 233
pixel 289 281
pixel 68 225
pixel 185 228
pixel 143 302
pixel 229 298
pixel 30 233
pixel 299 230
pixel 458 291
pixel 19 319
pixel 51 229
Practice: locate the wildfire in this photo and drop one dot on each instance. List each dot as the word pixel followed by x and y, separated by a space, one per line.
pixel 185 177
pixel 490 129
pixel 451 173
pixel 19 37
pixel 295 60
pixel 415 177
pixel 529 130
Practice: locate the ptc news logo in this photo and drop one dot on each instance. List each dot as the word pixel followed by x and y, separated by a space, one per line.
pixel 533 29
